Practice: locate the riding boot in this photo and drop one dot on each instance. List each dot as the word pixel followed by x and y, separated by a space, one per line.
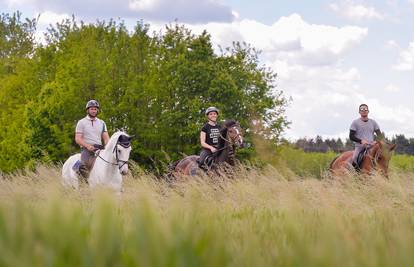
pixel 356 167
pixel 203 167
pixel 202 159
pixel 83 173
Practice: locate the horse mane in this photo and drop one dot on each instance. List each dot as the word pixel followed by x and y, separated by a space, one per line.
pixel 114 139
pixel 229 123
pixel 223 131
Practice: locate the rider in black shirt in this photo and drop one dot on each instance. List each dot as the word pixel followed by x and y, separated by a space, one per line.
pixel 209 136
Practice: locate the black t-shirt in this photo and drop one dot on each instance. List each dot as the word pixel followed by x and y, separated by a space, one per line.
pixel 212 134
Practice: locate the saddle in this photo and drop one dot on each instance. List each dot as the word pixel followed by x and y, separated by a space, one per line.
pixel 77 167
pixel 207 164
pixel 360 158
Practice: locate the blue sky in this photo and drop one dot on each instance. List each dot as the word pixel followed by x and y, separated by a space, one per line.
pixel 330 55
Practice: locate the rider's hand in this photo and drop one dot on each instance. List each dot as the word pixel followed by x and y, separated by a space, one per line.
pixel 365 142
pixel 213 149
pixel 90 148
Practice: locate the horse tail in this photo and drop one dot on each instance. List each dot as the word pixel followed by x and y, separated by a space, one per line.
pixel 171 166
pixel 171 170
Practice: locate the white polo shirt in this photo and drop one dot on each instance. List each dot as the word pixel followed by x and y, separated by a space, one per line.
pixel 91 130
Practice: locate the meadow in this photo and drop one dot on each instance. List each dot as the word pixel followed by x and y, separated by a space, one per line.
pixel 290 213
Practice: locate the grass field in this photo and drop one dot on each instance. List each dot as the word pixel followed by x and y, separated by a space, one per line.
pixel 271 217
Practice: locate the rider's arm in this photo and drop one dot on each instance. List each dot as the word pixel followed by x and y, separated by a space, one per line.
pixel 203 141
pixel 79 140
pixel 353 137
pixel 105 137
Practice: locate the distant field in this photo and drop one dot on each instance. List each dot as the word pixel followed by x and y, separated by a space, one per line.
pixel 271 217
pixel 315 164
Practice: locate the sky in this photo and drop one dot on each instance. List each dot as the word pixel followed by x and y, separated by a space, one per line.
pixel 330 56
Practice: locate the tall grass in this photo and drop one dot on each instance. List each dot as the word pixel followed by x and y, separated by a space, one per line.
pixel 256 219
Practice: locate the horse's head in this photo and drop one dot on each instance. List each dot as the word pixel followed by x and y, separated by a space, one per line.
pixel 121 152
pixel 381 155
pixel 233 133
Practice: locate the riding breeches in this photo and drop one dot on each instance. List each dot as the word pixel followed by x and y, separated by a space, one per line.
pixel 203 155
pixel 357 150
pixel 87 158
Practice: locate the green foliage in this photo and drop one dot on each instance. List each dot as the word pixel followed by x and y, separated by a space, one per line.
pixel 402 162
pixel 16 80
pixel 155 87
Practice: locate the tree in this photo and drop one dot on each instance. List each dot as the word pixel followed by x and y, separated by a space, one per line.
pixel 155 87
pixel 16 80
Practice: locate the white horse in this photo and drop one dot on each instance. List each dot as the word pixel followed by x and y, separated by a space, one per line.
pixel 111 163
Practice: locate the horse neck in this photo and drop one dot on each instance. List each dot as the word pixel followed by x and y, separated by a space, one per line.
pixel 109 148
pixel 369 159
pixel 227 153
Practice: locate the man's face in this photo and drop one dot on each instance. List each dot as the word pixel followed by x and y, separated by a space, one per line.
pixel 93 111
pixel 363 111
pixel 212 116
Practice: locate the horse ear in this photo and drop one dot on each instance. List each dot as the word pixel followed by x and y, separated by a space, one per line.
pixel 131 137
pixel 392 147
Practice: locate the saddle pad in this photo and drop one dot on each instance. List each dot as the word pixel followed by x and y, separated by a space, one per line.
pixel 76 166
pixel 360 157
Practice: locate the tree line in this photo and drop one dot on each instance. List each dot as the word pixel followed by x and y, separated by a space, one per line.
pixel 318 144
pixel 152 85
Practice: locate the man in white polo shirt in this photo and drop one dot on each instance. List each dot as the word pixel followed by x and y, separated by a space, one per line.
pixel 90 131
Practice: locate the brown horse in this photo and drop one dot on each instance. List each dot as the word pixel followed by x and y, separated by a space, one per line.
pixel 376 158
pixel 230 138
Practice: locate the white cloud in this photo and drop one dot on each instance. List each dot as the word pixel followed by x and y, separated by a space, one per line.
pixel 307 58
pixel 356 12
pixel 391 88
pixel 290 38
pixel 392 44
pixel 47 18
pixel 201 11
pixel 406 59
pixel 144 5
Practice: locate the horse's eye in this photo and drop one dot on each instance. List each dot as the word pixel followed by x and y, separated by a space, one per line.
pixel 119 150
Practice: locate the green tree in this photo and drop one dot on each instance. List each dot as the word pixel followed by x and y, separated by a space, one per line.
pixel 16 79
pixel 155 87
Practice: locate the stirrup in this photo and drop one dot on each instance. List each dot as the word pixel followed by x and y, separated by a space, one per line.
pixel 356 167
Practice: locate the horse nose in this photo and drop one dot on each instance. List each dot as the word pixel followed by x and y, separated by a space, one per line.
pixel 246 145
pixel 124 170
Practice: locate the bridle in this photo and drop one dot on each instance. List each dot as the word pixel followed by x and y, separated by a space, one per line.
pixel 119 162
pixel 229 142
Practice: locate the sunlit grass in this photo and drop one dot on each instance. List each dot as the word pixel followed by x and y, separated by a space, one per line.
pixel 260 218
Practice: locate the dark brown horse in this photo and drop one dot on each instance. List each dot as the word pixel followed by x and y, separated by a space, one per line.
pixel 230 138
pixel 376 158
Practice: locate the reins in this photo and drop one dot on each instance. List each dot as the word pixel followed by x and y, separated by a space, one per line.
pixel 373 159
pixel 116 156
